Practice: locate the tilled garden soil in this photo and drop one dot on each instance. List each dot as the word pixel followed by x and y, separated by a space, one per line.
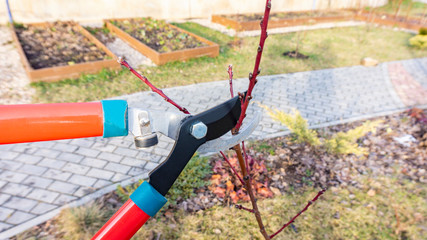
pixel 56 44
pixel 158 35
pixel 287 15
pixel 102 34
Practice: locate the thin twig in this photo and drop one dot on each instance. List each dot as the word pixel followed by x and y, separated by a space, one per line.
pixel 153 88
pixel 256 71
pixel 230 77
pixel 303 210
pixel 232 168
pixel 244 208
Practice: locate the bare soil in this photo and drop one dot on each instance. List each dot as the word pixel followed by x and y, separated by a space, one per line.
pixel 56 44
pixel 158 35
pixel 295 54
pixel 103 34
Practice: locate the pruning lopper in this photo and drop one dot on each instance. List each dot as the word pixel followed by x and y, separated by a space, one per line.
pixel 207 131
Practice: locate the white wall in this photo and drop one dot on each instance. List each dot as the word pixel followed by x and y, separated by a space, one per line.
pixel 92 10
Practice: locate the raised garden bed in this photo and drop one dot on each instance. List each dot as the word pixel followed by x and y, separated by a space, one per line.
pixel 246 22
pixel 55 51
pixel 161 42
pixel 390 20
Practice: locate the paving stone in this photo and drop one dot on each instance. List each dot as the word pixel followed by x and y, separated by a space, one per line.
pixel 40 182
pixel 12 176
pixel 49 153
pixel 43 195
pixel 64 147
pixel 98 173
pixel 16 189
pixel 70 157
pixel 7 155
pixel 93 162
pixel 133 162
pixel 42 208
pixel 64 199
pixel 104 147
pixel 4 197
pixel 82 180
pixel 120 142
pixel 126 152
pixel 87 152
pixel 134 171
pixel 5 213
pixel 19 217
pixel 9 165
pixel 4 226
pixel 83 191
pixel 21 204
pixel 75 168
pixel 81 142
pixel 110 157
pixel 32 169
pixel 26 158
pixel 51 163
pixel 119 177
pixel 101 183
pixel 57 174
pixel 150 166
pixel 63 187
pixel 115 167
pixel 161 152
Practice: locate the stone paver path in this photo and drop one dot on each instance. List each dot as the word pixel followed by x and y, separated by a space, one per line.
pixel 38 179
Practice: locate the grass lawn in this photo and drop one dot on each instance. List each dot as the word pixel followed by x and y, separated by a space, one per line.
pixel 416 11
pixel 385 208
pixel 328 48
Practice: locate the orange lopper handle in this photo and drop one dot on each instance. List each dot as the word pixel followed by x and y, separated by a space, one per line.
pixel 43 122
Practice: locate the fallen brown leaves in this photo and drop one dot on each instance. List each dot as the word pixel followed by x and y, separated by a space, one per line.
pixel 226 186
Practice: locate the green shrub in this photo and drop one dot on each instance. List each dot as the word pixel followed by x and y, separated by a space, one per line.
pixel 345 142
pixel 419 41
pixel 422 31
pixel 296 124
pixel 191 178
pixel 342 143
pixel 82 222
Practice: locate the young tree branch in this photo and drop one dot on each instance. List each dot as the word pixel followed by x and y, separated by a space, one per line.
pixel 149 84
pixel 303 210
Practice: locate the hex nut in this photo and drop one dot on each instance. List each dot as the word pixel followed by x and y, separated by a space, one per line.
pixel 199 130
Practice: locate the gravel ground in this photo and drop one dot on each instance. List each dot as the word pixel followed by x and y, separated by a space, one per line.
pixel 14 83
pixel 133 57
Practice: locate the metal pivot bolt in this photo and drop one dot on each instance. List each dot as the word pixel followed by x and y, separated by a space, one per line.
pixel 199 130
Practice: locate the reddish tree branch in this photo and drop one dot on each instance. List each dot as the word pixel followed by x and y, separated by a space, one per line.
pixel 244 208
pixel 248 187
pixel 153 88
pixel 303 210
pixel 256 71
pixel 232 168
pixel 230 77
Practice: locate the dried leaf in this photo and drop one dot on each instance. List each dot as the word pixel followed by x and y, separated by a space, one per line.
pixel 216 179
pixel 219 192
pixel 230 186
